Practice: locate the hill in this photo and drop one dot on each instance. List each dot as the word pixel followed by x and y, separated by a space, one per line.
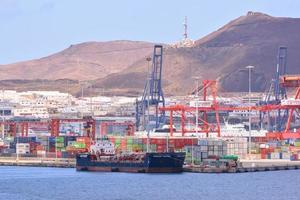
pixel 119 67
pixel 253 39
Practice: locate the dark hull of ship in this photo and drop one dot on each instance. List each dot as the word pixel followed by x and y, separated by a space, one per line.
pixel 153 163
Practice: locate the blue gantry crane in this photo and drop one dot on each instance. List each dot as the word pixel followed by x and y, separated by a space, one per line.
pixel 147 109
pixel 276 93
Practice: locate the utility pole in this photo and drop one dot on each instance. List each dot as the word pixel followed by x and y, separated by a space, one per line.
pixel 197 114
pixel 197 105
pixel 3 120
pixel 2 113
pixel 249 101
pixel 148 105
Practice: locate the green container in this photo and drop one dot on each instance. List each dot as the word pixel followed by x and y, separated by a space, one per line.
pixel 144 148
pixel 297 144
pixel 230 157
pixel 153 147
pixel 59 139
pixel 60 149
pixel 117 141
pixel 79 145
pixel 129 140
pixel 59 145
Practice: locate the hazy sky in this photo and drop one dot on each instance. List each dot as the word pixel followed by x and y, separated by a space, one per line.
pixel 36 28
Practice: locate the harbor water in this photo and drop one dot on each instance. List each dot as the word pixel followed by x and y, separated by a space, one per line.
pixel 33 183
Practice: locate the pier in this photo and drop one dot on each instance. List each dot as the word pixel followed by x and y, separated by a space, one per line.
pixel 248 166
pixel 38 162
pixel 243 166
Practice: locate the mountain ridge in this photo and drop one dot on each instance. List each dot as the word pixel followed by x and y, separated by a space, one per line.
pixel 120 67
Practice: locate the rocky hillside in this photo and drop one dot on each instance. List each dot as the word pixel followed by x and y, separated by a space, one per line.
pixel 119 67
pixel 253 39
pixel 86 61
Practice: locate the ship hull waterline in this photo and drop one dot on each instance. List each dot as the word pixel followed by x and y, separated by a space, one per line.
pixel 153 163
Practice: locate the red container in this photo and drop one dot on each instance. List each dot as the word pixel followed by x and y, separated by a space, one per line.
pixel 50 155
pixel 33 152
pixel 263 156
pixel 40 147
pixel 52 149
pixel 161 141
pixel 263 151
pixel 112 139
pixel 270 150
pixel 58 154
pixel 123 143
pixel 145 140
pixel 172 141
pixel 161 148
pixel 153 141
pixel 83 139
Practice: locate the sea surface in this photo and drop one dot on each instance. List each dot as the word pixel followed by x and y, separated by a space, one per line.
pixel 32 183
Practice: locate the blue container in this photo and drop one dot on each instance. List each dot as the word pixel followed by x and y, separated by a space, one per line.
pixel 51 139
pixel 293 157
pixel 64 154
pixel 24 139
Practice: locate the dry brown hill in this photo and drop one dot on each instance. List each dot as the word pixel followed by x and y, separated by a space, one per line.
pixel 86 61
pixel 249 40
pixel 119 67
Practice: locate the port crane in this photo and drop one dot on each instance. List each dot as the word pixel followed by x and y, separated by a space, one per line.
pixel 153 96
pixel 276 101
pixel 275 94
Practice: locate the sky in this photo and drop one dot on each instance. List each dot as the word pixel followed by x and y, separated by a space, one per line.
pixel 32 29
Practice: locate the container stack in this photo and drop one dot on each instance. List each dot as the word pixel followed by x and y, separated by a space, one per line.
pixel 23 148
pixel 59 144
pixel 43 140
pixel 206 148
pixel 157 144
pixel 80 145
pixel 51 144
pixel 237 146
pixel 129 144
pixel 284 150
pixel 40 151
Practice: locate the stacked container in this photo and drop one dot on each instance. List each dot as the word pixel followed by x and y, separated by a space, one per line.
pixel 22 148
pixel 59 144
pixel 237 146
pixel 51 144
pixel 206 148
pixel 40 151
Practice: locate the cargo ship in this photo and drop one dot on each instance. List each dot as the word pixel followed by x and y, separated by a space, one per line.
pixel 102 158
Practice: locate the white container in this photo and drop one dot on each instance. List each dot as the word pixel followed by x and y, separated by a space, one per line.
pixel 286 156
pixel 203 148
pixel 275 155
pixel 23 147
pixel 22 151
pixel 41 152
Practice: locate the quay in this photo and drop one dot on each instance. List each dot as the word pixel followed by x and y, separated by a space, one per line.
pixel 38 162
pixel 243 166
pixel 248 166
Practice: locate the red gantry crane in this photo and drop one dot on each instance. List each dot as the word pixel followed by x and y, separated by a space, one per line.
pixel 287 81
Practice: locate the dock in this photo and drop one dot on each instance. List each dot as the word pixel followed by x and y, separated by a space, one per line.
pixel 38 162
pixel 244 165
pixel 248 166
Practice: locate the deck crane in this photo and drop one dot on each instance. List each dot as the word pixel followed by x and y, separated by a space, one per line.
pixel 153 96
